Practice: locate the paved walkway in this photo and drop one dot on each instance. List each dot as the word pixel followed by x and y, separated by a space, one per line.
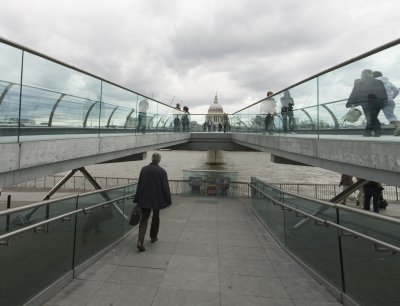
pixel 210 252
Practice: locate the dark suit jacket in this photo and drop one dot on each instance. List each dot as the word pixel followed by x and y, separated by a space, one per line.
pixel 153 189
pixel 368 93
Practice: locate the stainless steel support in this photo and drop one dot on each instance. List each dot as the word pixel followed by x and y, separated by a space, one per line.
pixel 60 184
pixel 348 191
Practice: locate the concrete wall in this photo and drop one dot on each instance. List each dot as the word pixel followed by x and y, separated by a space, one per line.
pixel 211 141
pixel 27 160
pixel 369 158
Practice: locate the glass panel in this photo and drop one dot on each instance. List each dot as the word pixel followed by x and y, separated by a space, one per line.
pixel 143 115
pixel 96 230
pixel 119 111
pixel 56 97
pixel 317 246
pixel 371 226
pixel 372 277
pixel 101 226
pixel 23 218
pixel 127 208
pixel 151 117
pixel 272 215
pixel 72 112
pixel 10 78
pixel 34 215
pixel 33 261
pixel 337 85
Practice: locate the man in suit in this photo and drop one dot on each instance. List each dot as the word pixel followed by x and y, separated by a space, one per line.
pixel 152 194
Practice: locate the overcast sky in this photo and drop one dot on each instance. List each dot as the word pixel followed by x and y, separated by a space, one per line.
pixel 187 50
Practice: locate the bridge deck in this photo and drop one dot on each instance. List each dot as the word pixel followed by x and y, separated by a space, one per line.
pixel 210 252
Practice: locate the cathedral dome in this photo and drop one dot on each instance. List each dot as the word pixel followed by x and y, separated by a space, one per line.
pixel 215 108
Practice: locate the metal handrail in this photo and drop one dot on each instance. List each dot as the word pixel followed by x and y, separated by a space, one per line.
pixel 49 202
pixel 329 223
pixel 44 222
pixel 344 207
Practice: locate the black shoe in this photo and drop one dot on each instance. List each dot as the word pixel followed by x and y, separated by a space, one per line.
pixel 377 134
pixel 140 247
pixel 154 240
pixel 367 134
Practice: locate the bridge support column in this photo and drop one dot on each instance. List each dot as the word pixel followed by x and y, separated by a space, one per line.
pixel 215 157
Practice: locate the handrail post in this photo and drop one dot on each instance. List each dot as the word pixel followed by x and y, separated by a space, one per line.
pixel 8 216
pixel 340 252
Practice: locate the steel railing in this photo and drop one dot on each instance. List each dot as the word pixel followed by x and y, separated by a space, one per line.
pixel 343 247
pixel 317 191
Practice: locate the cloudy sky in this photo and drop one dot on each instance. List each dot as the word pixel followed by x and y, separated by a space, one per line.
pixel 187 50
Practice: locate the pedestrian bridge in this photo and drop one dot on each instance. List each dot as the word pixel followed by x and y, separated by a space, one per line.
pixel 49 125
pixel 55 117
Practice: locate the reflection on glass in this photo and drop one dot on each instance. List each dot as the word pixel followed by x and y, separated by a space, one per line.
pixel 35 260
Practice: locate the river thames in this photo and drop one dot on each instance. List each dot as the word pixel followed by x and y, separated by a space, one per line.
pixel 247 164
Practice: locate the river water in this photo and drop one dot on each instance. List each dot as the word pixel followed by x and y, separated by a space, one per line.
pixel 247 164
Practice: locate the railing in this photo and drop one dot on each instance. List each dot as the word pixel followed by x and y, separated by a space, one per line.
pixel 80 183
pixel 40 95
pixel 45 242
pixel 321 236
pixel 240 189
pixel 33 103
pixel 328 191
pixel 319 102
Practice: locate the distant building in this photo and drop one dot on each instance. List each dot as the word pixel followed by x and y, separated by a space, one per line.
pixel 215 113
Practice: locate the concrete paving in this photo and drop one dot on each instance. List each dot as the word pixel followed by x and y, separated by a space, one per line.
pixel 210 252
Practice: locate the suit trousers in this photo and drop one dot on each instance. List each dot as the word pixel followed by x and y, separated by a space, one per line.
pixel 155 223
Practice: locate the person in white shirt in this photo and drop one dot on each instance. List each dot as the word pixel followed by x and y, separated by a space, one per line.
pixel 268 107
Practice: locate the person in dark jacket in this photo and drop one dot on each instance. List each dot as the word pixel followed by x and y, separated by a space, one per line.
pixel 287 112
pixel 372 190
pixel 152 194
pixel 370 94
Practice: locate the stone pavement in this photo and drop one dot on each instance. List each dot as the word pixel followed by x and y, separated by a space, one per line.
pixel 211 251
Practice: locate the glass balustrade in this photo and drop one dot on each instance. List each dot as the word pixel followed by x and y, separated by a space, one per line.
pixel 320 102
pixel 51 99
pixel 47 100
pixel 354 264
pixel 48 240
pixel 35 259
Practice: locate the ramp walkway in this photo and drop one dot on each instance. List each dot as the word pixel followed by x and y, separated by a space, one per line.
pixel 211 251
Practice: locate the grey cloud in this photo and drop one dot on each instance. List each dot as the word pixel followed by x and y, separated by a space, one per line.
pixel 191 49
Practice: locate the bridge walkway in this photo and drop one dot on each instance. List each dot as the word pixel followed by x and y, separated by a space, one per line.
pixel 211 251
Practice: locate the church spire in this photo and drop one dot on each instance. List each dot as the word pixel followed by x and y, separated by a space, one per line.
pixel 216 99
